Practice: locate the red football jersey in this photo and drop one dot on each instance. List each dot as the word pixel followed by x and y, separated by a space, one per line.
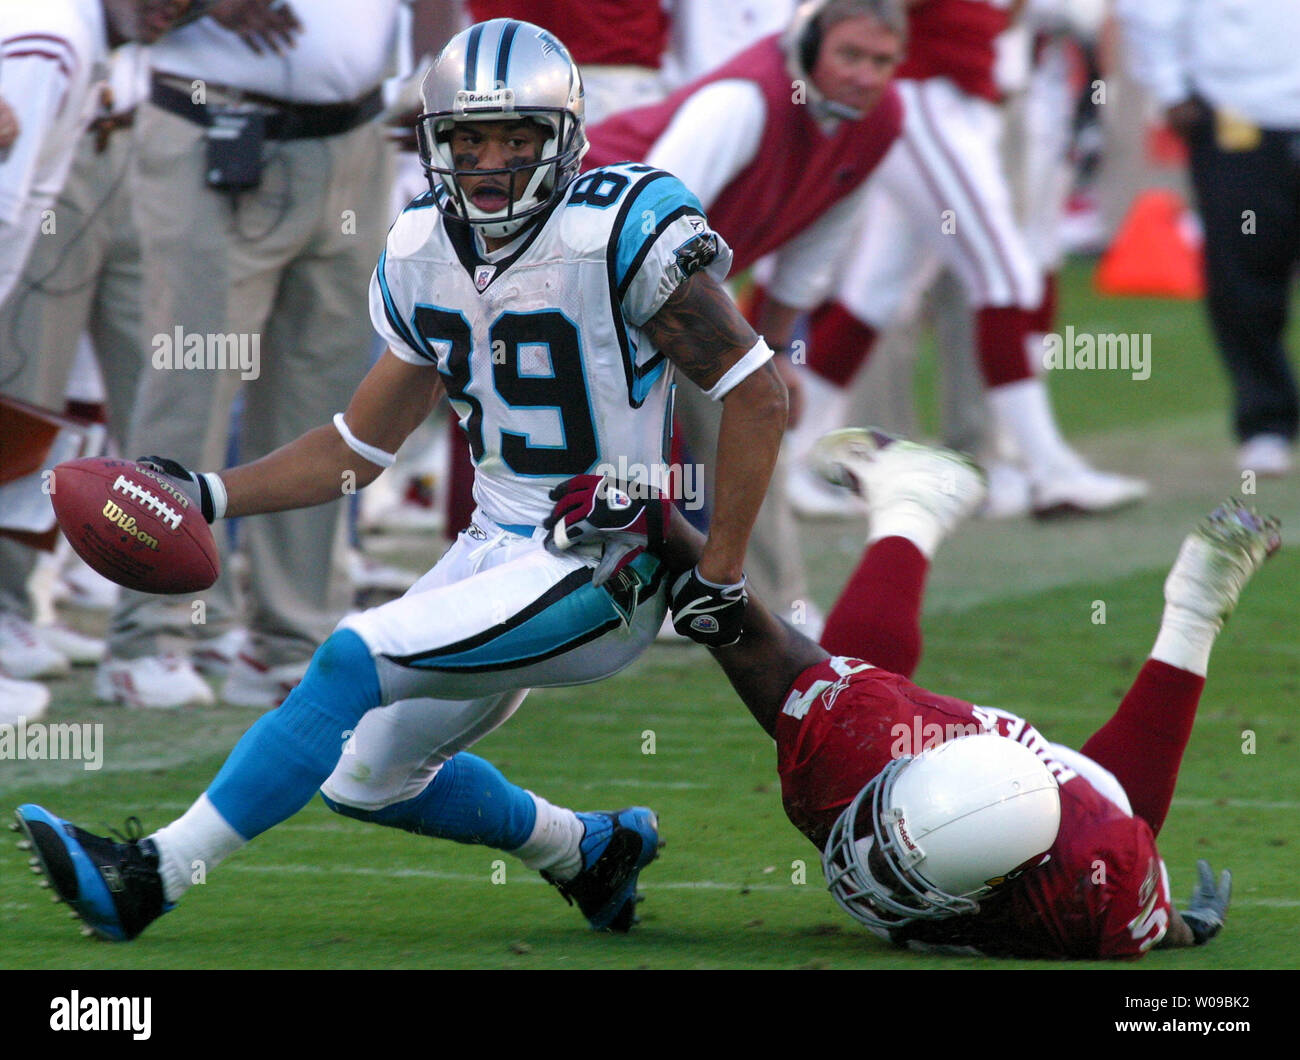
pixel 1101 893
pixel 596 32
pixel 798 172
pixel 955 39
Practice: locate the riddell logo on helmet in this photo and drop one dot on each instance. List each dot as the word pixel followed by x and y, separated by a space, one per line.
pixel 497 99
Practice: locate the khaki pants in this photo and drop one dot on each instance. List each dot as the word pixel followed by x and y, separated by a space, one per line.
pixel 284 271
pixel 82 276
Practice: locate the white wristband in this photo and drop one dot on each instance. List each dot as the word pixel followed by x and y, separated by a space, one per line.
pixel 758 356
pixel 372 453
pixel 218 490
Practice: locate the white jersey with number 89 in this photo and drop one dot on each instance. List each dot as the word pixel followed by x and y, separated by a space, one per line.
pixel 540 344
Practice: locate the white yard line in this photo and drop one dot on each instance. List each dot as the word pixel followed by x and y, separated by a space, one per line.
pixel 522 875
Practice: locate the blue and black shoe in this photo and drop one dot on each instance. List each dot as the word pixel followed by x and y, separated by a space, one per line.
pixel 615 848
pixel 114 887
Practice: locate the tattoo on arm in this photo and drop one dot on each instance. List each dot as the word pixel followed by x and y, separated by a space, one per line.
pixel 700 330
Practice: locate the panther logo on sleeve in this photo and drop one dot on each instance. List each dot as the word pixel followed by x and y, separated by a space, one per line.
pixel 696 253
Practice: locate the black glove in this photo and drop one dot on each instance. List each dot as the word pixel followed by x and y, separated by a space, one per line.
pixel 706 612
pixel 1209 905
pixel 595 509
pixel 195 487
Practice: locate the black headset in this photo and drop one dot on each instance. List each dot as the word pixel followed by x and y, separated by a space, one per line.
pixel 811 43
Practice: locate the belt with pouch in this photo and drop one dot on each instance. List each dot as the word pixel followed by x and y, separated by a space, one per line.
pixel 109 120
pixel 284 120
pixel 103 127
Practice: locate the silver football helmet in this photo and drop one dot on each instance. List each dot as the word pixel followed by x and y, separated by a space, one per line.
pixel 503 70
pixel 933 834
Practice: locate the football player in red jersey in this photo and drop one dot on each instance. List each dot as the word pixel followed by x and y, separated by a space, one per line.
pixel 945 825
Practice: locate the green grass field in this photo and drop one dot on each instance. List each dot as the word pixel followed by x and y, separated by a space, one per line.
pixel 1010 623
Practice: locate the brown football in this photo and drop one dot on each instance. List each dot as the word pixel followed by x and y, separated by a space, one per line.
pixel 134 526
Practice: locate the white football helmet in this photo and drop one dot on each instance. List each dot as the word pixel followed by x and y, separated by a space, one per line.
pixel 803 38
pixel 503 70
pixel 932 834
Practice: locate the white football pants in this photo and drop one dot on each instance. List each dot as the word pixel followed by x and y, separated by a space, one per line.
pixel 496 616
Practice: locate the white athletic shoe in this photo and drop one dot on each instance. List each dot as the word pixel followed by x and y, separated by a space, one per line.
pixel 918 491
pixel 1218 558
pixel 24 655
pixel 81 586
pixel 1009 495
pixel 252 683
pixel 78 648
pixel 155 682
pixel 1268 455
pixel 1077 489
pixel 22 699
pixel 812 497
pixel 215 656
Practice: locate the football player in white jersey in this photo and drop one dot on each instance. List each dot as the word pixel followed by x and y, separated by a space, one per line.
pixel 551 311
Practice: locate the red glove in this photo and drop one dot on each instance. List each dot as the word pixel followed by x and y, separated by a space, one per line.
pixel 624 520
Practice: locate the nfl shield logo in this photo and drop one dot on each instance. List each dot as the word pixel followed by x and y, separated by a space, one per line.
pixel 483 276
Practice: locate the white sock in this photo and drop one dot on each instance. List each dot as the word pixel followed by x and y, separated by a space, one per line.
pixel 554 845
pixel 909 521
pixel 1185 639
pixel 1024 411
pixel 192 846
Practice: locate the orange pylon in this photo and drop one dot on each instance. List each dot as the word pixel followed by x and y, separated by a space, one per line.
pixel 1156 252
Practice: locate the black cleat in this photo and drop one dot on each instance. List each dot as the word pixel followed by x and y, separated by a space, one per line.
pixel 615 848
pixel 113 887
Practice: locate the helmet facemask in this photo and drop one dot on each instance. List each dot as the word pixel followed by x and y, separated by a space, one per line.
pixel 555 168
pixel 504 70
pixel 870 872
